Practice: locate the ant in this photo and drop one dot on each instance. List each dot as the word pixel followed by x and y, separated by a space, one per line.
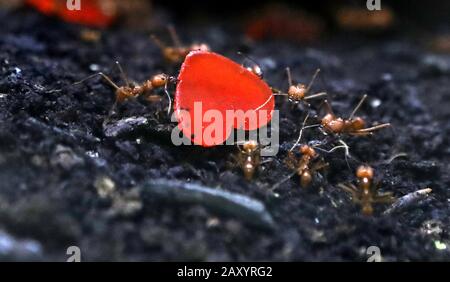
pixel 299 92
pixel 131 90
pixel 176 54
pixel 307 165
pixel 353 125
pixel 296 93
pixel 249 158
pixel 366 193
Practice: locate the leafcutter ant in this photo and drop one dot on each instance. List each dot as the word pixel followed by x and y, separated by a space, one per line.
pixel 366 194
pixel 130 90
pixel 249 158
pixel 299 92
pixel 352 125
pixel 175 54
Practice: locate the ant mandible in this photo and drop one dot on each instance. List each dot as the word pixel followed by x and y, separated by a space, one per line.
pixel 366 193
pixel 176 54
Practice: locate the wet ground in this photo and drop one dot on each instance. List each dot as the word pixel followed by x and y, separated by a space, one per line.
pixel 67 180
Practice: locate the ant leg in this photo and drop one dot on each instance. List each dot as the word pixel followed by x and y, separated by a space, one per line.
pixel 289 75
pixel 350 189
pixel 319 165
pixel 312 80
pixel 317 95
pixel 158 42
pixel 123 74
pixel 358 106
pixel 328 108
pixel 274 187
pixel 107 78
pixel 373 128
pixel 173 34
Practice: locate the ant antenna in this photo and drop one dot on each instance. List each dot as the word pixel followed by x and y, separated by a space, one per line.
pixel 358 106
pixel 312 80
pixel 107 78
pixel 289 75
pixel 275 186
pixel 173 34
pixel 328 107
pixel 313 96
pixel 158 42
pixel 248 58
pixel 123 74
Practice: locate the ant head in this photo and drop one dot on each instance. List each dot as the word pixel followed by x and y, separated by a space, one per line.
pixel 250 145
pixel 358 123
pixel 364 171
pixel 159 80
pixel 332 123
pixel 307 150
pixel 297 92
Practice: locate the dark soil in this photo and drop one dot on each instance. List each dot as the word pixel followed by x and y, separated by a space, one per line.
pixel 57 166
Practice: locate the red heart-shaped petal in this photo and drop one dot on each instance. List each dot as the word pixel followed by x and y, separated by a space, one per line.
pixel 220 85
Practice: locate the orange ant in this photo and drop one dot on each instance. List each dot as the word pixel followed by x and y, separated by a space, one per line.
pixel 296 93
pixel 307 165
pixel 249 158
pixel 353 125
pixel 130 90
pixel 299 92
pixel 366 193
pixel 176 54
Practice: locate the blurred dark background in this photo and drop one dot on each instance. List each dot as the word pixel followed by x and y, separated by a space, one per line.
pixel 416 12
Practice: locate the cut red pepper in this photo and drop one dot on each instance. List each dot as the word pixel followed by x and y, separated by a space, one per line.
pixel 95 13
pixel 220 85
